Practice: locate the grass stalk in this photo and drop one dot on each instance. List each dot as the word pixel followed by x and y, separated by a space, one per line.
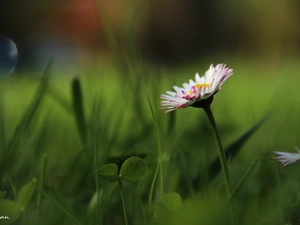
pixel 159 164
pixel 97 178
pixel 41 180
pixel 123 201
pixel 62 208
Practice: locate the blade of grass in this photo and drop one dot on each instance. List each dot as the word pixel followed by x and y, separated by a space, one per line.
pixel 79 111
pixel 233 149
pixel 13 188
pixel 97 180
pixel 241 183
pixel 41 180
pixel 223 210
pixel 143 211
pixel 59 99
pixel 61 207
pixel 185 172
pixel 77 173
pixel 30 111
pixel 2 128
pixel 159 163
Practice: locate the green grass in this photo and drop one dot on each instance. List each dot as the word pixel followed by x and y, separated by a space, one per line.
pixel 118 123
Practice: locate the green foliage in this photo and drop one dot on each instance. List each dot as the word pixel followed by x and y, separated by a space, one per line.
pixel 172 201
pixel 79 110
pixel 9 209
pixel 13 188
pixel 41 179
pixel 30 113
pixel 114 122
pixel 109 172
pixel 133 169
pixel 25 193
pixel 2 195
pixel 234 148
pixel 242 181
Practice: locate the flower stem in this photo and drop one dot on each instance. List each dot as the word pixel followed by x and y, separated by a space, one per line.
pixel 123 201
pixel 222 156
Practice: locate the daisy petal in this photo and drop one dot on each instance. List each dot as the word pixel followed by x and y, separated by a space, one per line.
pixel 286 158
pixel 200 89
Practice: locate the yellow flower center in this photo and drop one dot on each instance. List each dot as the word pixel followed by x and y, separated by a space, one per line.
pixel 198 86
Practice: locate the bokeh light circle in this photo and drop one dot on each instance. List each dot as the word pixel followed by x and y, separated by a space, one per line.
pixel 8 56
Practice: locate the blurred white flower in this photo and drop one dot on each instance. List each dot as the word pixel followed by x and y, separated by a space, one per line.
pixel 286 158
pixel 200 89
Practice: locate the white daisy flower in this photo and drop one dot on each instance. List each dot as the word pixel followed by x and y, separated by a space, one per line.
pixel 200 89
pixel 286 158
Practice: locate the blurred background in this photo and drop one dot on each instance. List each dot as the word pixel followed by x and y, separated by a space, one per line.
pixel 109 56
pixel 163 31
